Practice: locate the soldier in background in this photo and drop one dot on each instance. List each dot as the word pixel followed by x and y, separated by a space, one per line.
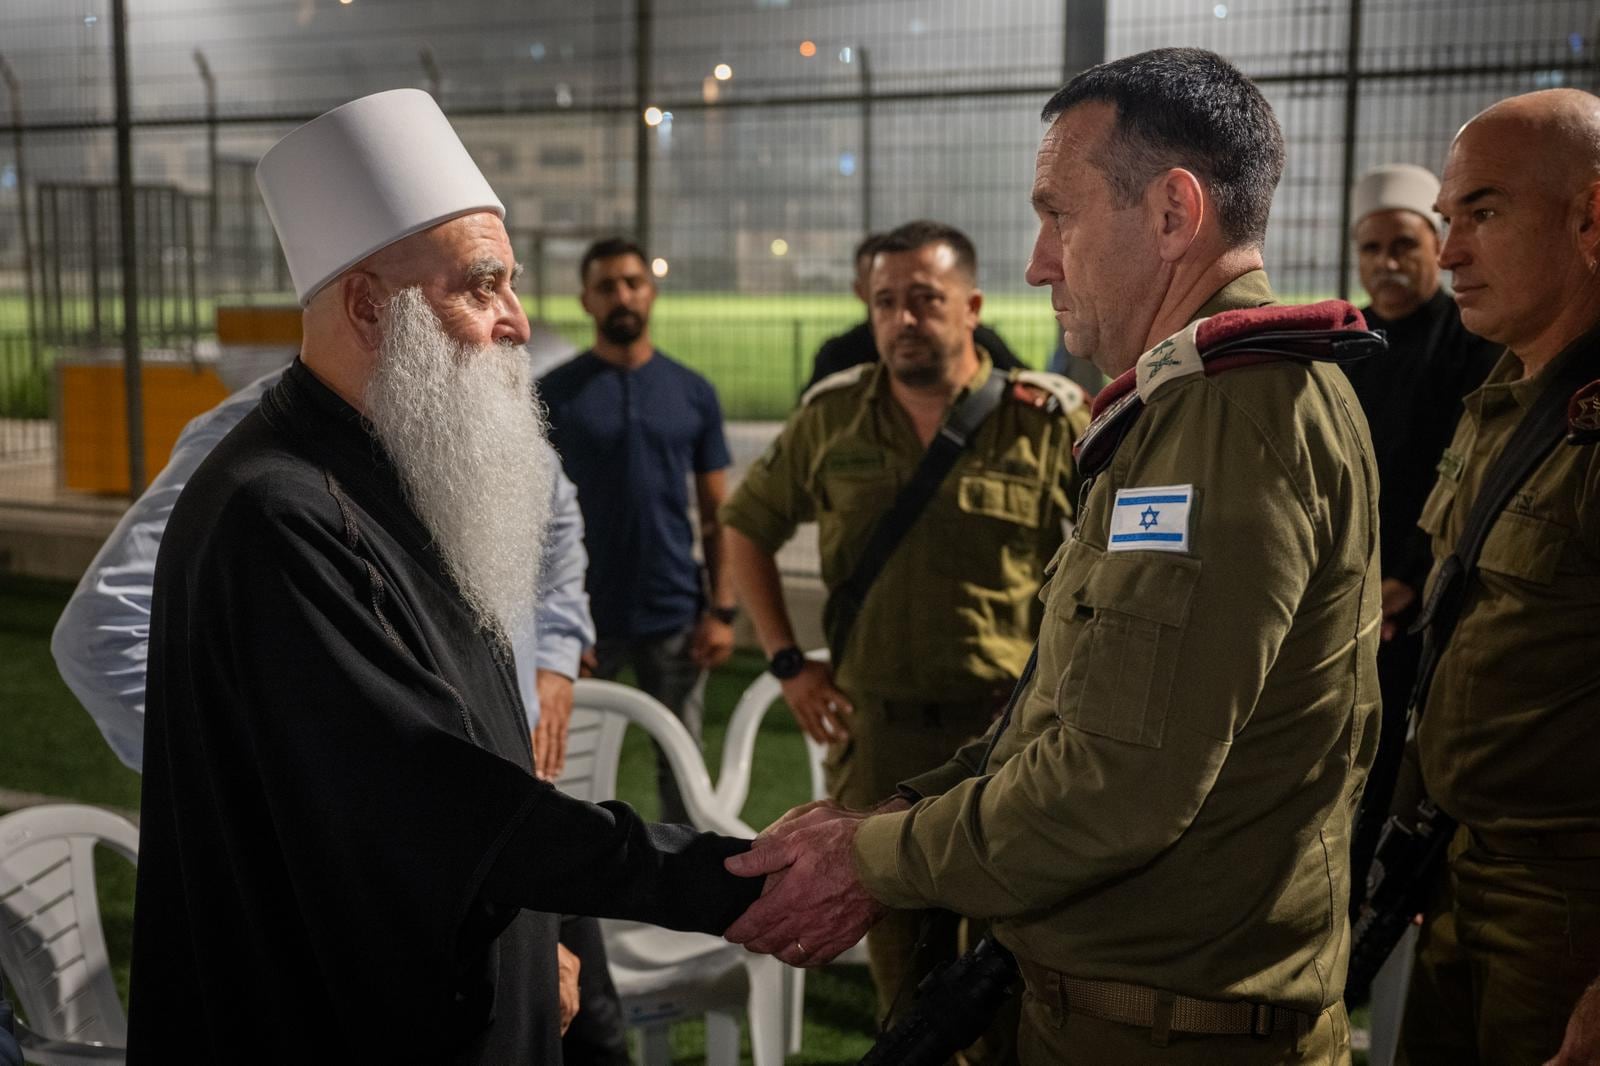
pixel 946 628
pixel 856 345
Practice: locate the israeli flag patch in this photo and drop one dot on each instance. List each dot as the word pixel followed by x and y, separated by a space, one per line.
pixel 1151 519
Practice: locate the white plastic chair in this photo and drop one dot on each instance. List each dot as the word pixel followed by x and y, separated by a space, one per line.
pixel 662 975
pixel 1389 989
pixel 739 744
pixel 52 947
pixel 733 780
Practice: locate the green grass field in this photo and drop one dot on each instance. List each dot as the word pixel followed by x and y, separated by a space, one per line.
pixel 756 350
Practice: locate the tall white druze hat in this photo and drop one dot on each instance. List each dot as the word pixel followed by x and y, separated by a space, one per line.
pixel 1395 187
pixel 364 175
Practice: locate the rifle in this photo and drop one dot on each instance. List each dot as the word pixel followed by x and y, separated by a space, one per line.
pixel 1409 856
pixel 955 1004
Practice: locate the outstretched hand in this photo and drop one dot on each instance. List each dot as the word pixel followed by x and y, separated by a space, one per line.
pixel 813 906
pixel 1581 1046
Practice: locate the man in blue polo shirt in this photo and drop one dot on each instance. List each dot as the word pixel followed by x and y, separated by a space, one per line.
pixel 632 426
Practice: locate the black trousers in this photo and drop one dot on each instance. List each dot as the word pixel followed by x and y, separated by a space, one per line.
pixel 597 1036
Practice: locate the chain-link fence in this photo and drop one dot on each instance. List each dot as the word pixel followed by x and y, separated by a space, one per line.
pixel 748 143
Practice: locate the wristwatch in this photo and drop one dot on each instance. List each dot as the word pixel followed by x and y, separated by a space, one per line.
pixel 786 663
pixel 725 615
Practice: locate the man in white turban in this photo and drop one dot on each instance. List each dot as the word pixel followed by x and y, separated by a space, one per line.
pixel 346 855
pixel 1412 397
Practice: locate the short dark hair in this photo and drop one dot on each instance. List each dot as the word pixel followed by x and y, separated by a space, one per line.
pixel 923 232
pixel 608 248
pixel 868 246
pixel 1186 107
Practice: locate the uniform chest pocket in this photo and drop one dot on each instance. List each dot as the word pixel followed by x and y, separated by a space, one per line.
pixel 1118 683
pixel 1010 499
pixel 1437 506
pixel 1522 546
pixel 861 492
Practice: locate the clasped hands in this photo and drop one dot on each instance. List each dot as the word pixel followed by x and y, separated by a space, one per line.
pixel 813 906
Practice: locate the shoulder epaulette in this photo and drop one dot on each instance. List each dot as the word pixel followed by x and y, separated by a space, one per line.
pixel 1583 415
pixel 1175 358
pixel 1052 392
pixel 836 380
pixel 1330 331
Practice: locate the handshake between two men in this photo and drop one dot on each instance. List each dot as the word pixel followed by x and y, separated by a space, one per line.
pixel 813 906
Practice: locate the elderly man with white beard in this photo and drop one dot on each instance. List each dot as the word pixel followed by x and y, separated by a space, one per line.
pixel 341 822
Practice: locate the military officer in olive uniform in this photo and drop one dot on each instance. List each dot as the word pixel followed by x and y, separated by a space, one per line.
pixel 946 627
pixel 1160 832
pixel 1509 741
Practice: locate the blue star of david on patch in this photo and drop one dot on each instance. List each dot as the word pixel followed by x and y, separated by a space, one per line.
pixel 1151 518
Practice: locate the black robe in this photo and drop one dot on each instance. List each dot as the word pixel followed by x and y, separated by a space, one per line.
pixel 344 852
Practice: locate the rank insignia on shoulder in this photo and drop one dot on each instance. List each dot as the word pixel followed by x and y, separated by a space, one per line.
pixel 1583 415
pixel 1155 518
pixel 1176 357
pixel 836 380
pixel 1047 391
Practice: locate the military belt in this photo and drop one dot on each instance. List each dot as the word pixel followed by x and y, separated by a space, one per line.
pixel 1578 844
pixel 1159 1010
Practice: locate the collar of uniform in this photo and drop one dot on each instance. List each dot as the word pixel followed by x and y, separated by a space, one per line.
pixel 1505 383
pixel 1250 289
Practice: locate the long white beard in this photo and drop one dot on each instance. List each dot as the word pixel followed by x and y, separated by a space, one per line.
pixel 470 445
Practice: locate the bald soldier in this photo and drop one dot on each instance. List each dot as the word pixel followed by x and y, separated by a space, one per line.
pixel 1509 740
pixel 345 854
pixel 1159 828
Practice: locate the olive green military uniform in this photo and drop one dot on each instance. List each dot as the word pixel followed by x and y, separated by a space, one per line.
pixel 1509 745
pixel 948 624
pixel 1171 805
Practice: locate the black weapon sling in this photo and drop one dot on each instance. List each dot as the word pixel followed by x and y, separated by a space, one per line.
pixel 937 462
pixel 1540 430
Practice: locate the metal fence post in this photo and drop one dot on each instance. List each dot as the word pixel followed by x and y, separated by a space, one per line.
pixel 642 31
pixel 866 141
pixel 132 380
pixel 213 209
pixel 15 90
pixel 1352 104
pixel 1083 36
pixel 798 356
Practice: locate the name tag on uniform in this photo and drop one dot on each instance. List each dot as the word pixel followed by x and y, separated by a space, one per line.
pixel 1151 519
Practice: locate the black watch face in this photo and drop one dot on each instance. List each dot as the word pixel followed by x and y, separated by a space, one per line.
pixel 786 663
